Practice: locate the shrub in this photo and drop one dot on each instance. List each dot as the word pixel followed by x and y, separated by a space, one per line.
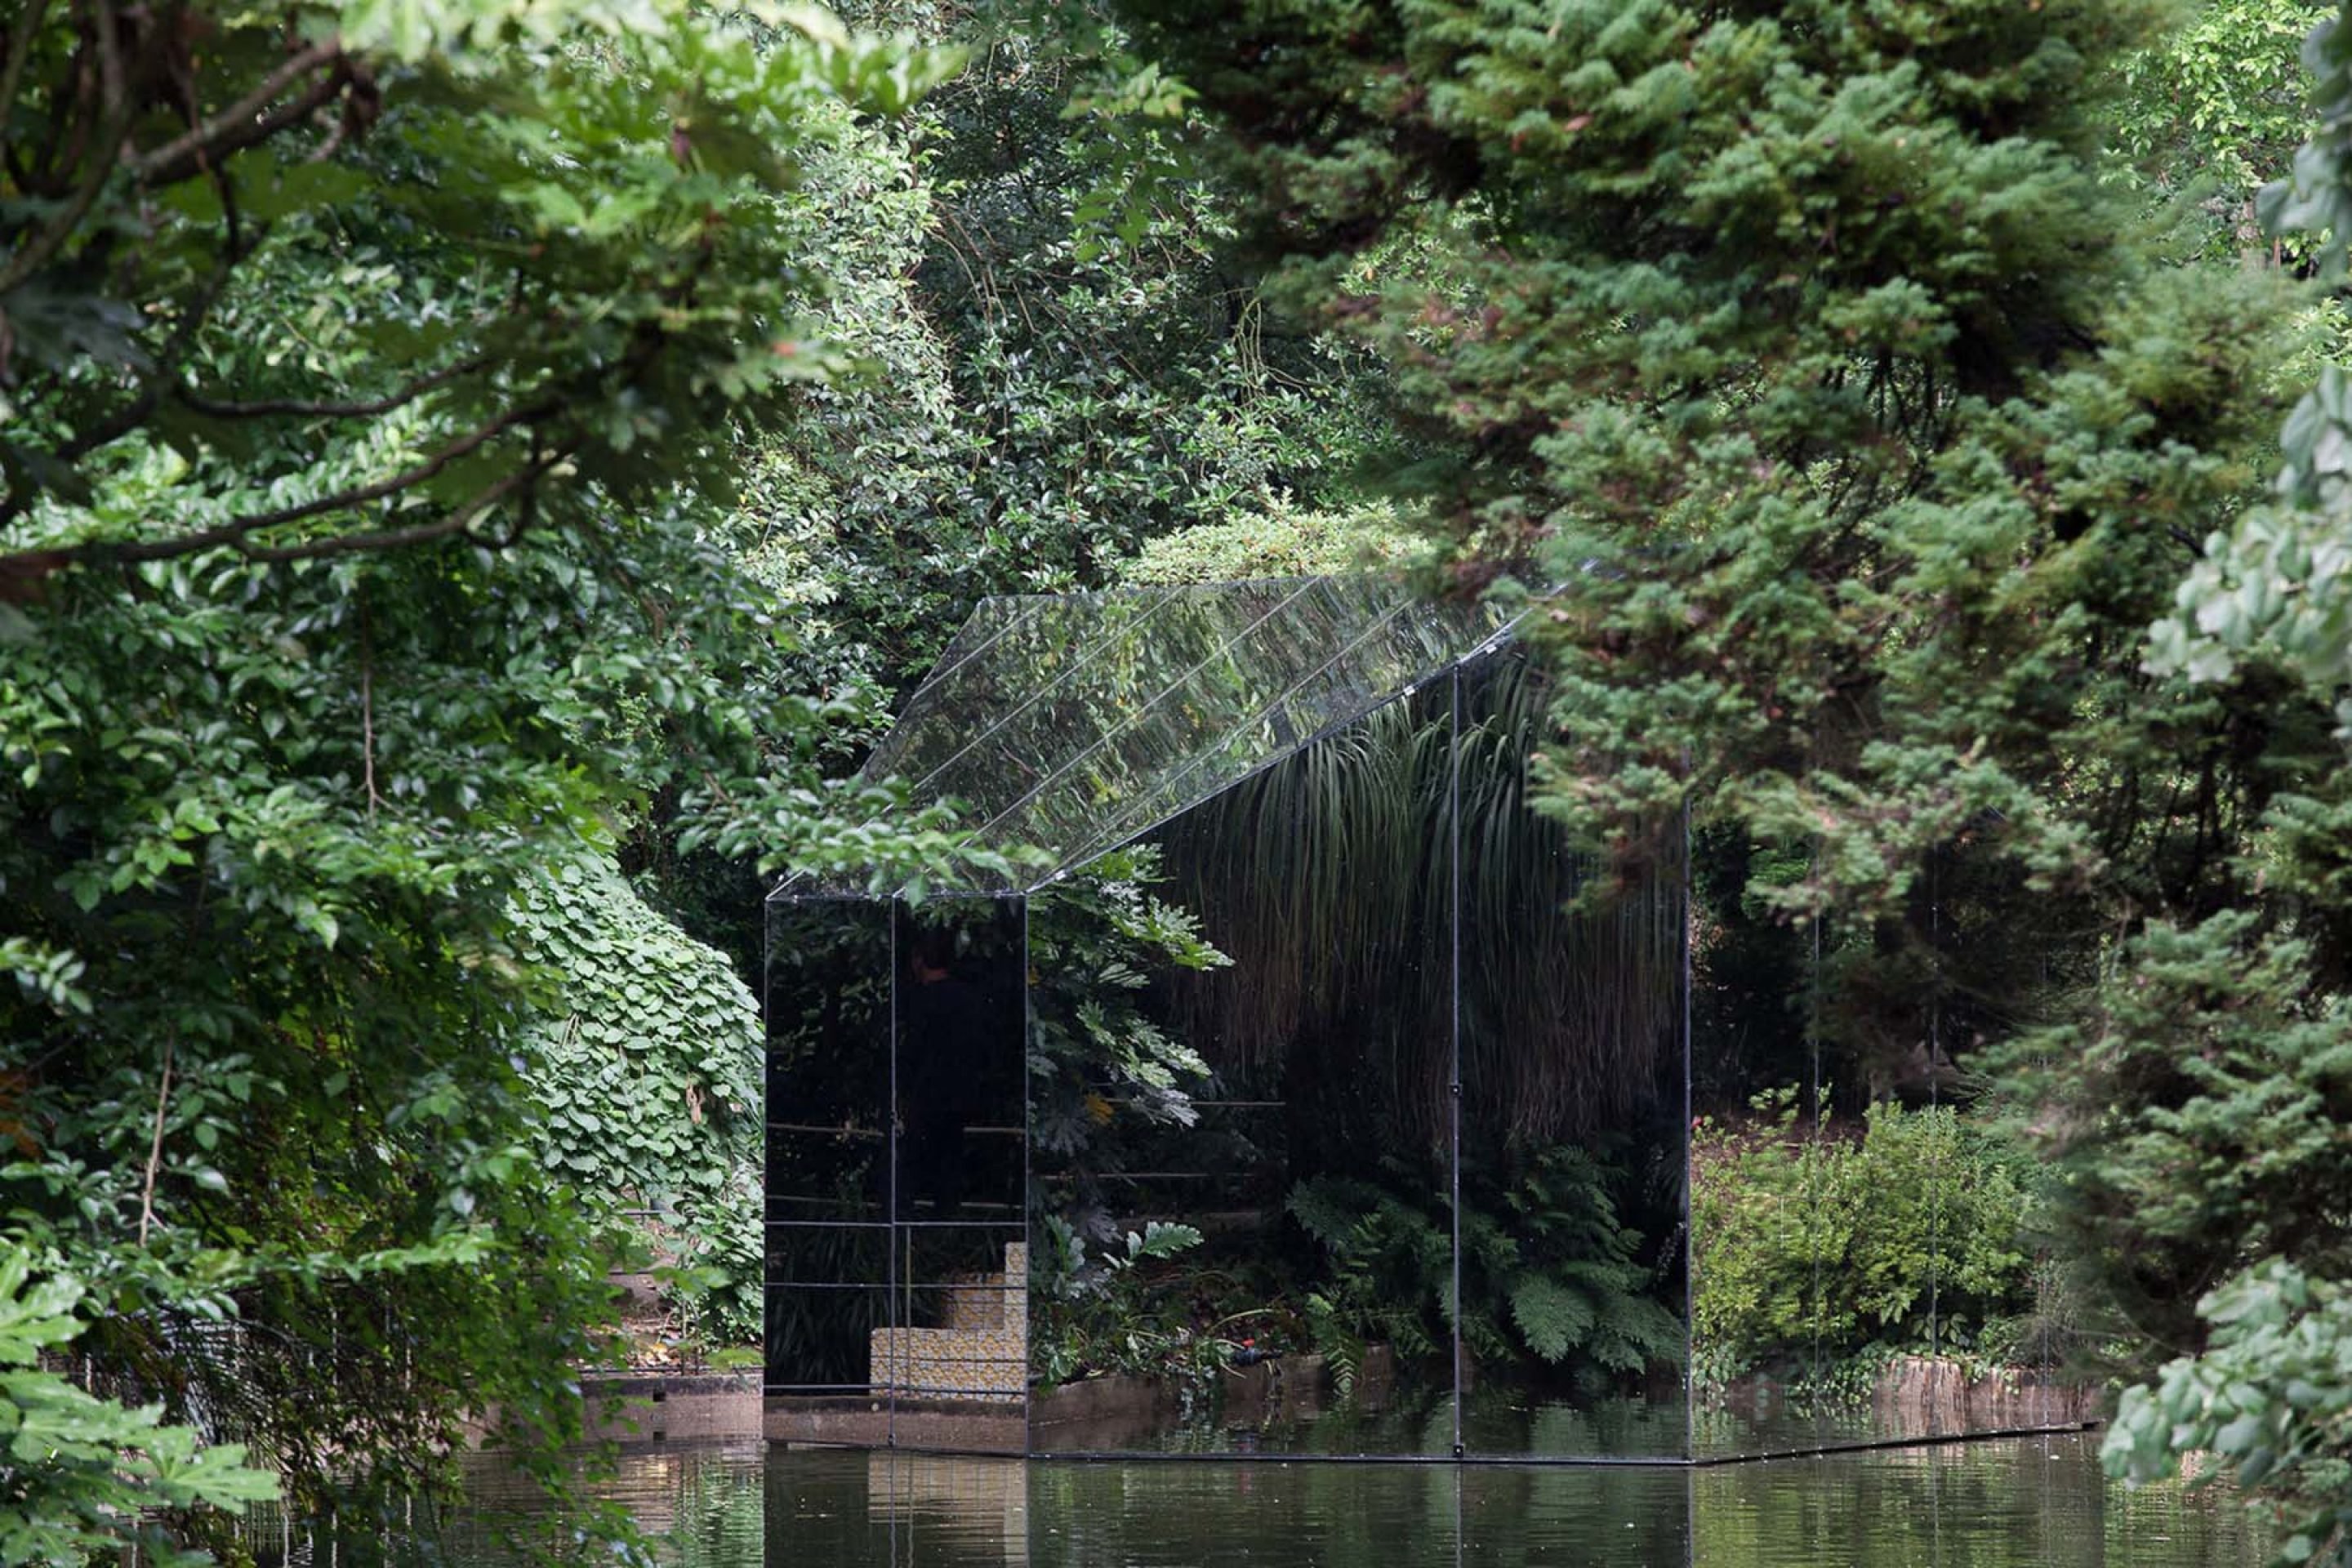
pixel 1909 1235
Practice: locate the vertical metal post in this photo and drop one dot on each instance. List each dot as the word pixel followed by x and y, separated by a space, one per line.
pixel 890 1199
pixel 1690 1240
pixel 1935 1160
pixel 1454 1012
pixel 1813 1142
pixel 1028 1207
pixel 767 1144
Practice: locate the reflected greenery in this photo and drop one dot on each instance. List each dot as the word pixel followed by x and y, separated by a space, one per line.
pixel 2009 1504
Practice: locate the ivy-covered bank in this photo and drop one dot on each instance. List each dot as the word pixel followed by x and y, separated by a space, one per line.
pixel 647 1065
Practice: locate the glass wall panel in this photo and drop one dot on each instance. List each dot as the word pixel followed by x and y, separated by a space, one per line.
pixel 828 1079
pixel 2003 1310
pixel 1572 1273
pixel 828 1254
pixel 1242 1153
pixel 961 1146
pixel 958 1364
pixel 827 1299
pixel 1755 1170
pixel 1882 1140
pixel 955 1361
pixel 1079 723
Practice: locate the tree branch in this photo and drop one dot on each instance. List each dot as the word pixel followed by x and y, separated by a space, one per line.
pixel 320 93
pixel 20 45
pixel 135 412
pixel 109 61
pixel 444 527
pixel 367 714
pixel 45 244
pixel 244 123
pixel 238 530
pixel 155 1149
pixel 276 406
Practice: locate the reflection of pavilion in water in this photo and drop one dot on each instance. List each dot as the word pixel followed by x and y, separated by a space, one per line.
pixel 977 1499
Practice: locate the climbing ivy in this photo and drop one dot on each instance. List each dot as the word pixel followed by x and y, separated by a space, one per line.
pixel 647 1066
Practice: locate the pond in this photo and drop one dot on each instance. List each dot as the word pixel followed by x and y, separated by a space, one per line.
pixel 2036 1502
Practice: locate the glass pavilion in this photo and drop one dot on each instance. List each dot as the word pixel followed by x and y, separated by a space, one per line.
pixel 1043 1177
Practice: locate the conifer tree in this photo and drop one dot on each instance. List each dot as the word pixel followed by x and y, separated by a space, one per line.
pixel 1848 433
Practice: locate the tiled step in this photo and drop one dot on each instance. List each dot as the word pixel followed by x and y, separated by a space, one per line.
pixel 980 1353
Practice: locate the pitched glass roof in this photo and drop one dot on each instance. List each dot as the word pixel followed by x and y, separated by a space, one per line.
pixel 1076 722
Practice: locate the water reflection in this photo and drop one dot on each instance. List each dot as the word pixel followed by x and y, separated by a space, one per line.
pixel 2015 1503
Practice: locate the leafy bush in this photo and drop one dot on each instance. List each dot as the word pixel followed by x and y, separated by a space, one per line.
pixel 1094 944
pixel 1101 1314
pixel 80 1470
pixel 1843 1242
pixel 1550 1272
pixel 2270 1399
pixel 1284 541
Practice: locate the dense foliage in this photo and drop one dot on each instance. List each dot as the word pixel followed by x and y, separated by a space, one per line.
pixel 416 420
pixel 364 373
pixel 2214 110
pixel 1792 358
pixel 1813 1249
pixel 2269 1402
pixel 1551 1272
pixel 648 1071
pixel 1068 372
pixel 81 1467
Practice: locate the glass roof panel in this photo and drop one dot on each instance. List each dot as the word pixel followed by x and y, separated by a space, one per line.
pixel 1076 722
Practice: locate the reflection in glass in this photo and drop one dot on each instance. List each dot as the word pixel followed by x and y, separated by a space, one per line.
pixel 1303 1095
pixel 1319 1160
pixel 958 1083
pixel 1077 722
pixel 1570 1182
pixel 828 1077
pixel 953 1360
pixel 828 1136
pixel 2003 1323
pixel 1883 1145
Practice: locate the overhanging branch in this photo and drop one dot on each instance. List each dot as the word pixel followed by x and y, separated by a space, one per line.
pixel 269 408
pixel 21 571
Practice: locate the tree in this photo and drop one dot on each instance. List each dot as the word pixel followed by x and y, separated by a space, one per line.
pixel 2214 110
pixel 369 373
pixel 1077 360
pixel 1071 360
pixel 544 296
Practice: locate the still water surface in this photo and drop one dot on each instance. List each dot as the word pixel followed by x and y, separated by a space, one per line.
pixel 2012 1503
